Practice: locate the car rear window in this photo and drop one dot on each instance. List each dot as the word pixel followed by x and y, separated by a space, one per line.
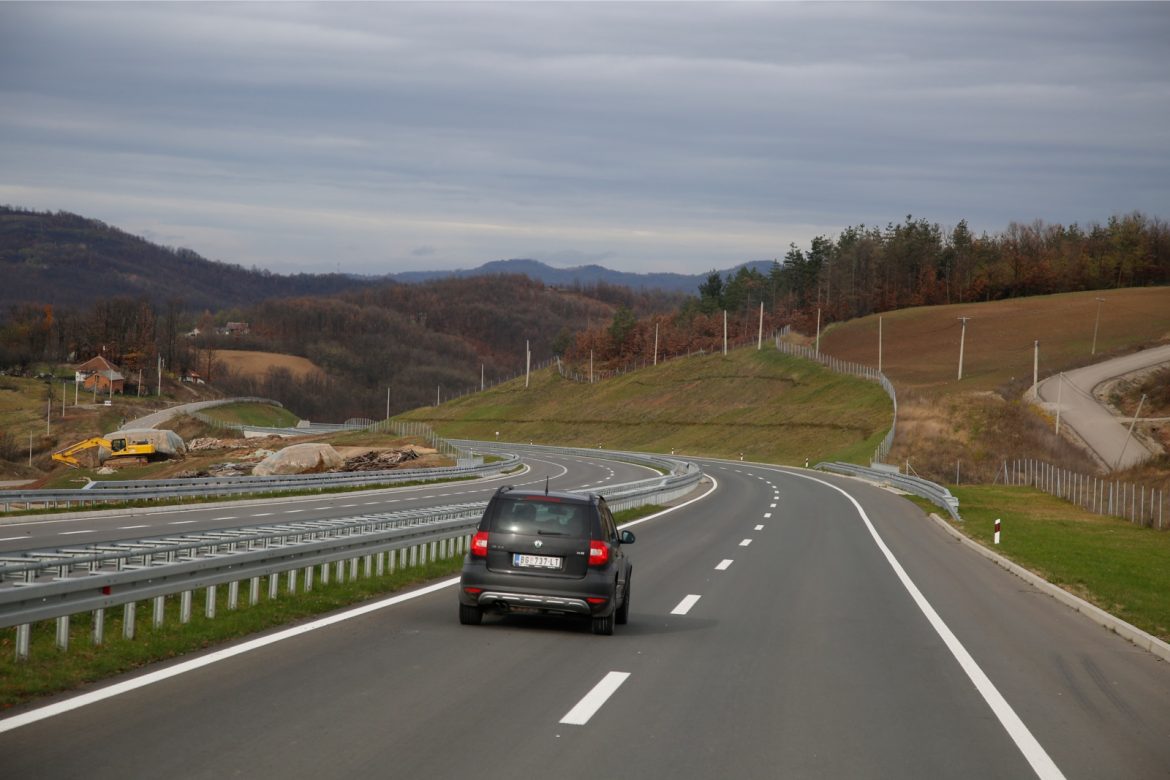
pixel 535 516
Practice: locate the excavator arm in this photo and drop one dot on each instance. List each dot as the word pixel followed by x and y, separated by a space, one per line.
pixel 118 448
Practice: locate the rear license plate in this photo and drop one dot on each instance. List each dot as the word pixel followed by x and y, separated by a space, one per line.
pixel 536 561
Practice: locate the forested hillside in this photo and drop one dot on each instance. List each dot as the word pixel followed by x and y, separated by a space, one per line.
pixel 66 261
pixel 868 270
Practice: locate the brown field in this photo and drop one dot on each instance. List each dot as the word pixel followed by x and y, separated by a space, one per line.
pixel 948 427
pixel 921 346
pixel 256 364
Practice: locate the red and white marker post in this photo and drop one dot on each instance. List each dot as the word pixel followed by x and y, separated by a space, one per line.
pixel 997 530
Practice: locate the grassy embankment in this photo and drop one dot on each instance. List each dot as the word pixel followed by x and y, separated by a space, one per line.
pixel 1120 567
pixel 761 404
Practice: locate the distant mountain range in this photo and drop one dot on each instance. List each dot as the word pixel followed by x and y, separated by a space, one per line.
pixel 585 275
pixel 70 261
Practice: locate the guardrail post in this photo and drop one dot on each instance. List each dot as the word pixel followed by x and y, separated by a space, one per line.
pixel 185 607
pixel 292 582
pixel 63 632
pixel 129 614
pixel 353 569
pixel 99 626
pixel 23 631
pixel 309 571
pixel 209 605
pixel 233 594
pixel 324 574
pixel 380 566
pixel 368 565
pixel 160 610
pixel 273 586
pixel 253 591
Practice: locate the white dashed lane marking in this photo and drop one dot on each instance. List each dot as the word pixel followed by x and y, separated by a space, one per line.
pixel 723 565
pixel 759 528
pixel 685 605
pixel 745 542
pixel 593 701
pixel 71 533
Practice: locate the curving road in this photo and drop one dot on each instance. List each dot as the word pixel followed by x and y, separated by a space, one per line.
pixel 1104 434
pixel 118 525
pixel 787 625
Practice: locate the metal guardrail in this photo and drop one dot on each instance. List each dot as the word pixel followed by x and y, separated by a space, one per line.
pixel 936 494
pixel 55 584
pixel 161 489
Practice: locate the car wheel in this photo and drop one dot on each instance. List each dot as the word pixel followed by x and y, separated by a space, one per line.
pixel 623 613
pixel 470 616
pixel 603 625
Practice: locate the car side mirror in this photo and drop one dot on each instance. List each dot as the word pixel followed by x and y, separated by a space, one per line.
pixel 627 537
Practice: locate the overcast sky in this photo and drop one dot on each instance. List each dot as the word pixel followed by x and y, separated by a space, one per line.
pixel 384 137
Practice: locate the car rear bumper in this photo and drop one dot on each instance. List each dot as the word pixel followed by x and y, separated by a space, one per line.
pixel 503 592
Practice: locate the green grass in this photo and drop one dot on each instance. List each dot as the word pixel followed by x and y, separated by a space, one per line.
pixel 1120 567
pixel 50 670
pixel 761 404
pixel 253 414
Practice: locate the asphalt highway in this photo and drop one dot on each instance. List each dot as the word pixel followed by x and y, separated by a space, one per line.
pixel 789 624
pixel 71 530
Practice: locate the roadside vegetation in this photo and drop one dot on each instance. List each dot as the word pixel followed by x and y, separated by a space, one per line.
pixel 1122 568
pixel 762 405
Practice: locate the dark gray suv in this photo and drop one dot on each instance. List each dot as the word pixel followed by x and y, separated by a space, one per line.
pixel 553 553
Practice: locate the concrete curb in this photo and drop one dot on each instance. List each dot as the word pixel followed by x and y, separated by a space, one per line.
pixel 1096 614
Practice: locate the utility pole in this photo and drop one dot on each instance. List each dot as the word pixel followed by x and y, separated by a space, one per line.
pixel 160 365
pixel 656 343
pixel 962 342
pixel 725 332
pixel 1096 322
pixel 590 366
pixel 527 362
pixel 818 331
pixel 438 394
pixel 760 337
pixel 1133 422
pixel 1035 362
pixel 62 399
pixel 879 345
pixel 481 375
pixel 387 403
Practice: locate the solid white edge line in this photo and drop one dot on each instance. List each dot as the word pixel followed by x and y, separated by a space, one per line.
pixel 1042 764
pixel 593 701
pixel 61 707
pixel 685 605
pixel 150 678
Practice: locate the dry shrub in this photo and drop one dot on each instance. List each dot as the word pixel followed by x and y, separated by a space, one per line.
pixel 978 431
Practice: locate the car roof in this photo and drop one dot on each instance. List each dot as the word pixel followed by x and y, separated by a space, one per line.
pixel 552 496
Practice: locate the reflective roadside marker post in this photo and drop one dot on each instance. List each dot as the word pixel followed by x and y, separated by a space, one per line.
pixel 997 530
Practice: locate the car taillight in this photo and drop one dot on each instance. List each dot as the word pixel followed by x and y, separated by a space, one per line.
pixel 479 544
pixel 598 553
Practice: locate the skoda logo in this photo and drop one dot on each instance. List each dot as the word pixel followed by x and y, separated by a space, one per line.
pixel 538 544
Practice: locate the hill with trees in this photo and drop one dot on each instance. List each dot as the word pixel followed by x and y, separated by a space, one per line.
pixel 67 261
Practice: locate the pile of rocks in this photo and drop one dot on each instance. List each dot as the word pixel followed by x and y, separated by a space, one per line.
pixel 378 461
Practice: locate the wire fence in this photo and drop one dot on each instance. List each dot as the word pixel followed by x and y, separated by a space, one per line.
pixel 855 369
pixel 1139 504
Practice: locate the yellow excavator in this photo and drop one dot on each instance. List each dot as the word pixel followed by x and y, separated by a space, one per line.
pixel 119 448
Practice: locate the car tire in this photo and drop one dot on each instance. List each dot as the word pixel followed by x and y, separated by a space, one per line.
pixel 470 616
pixel 622 616
pixel 603 625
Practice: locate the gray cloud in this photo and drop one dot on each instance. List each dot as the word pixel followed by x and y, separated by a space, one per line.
pixel 656 136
